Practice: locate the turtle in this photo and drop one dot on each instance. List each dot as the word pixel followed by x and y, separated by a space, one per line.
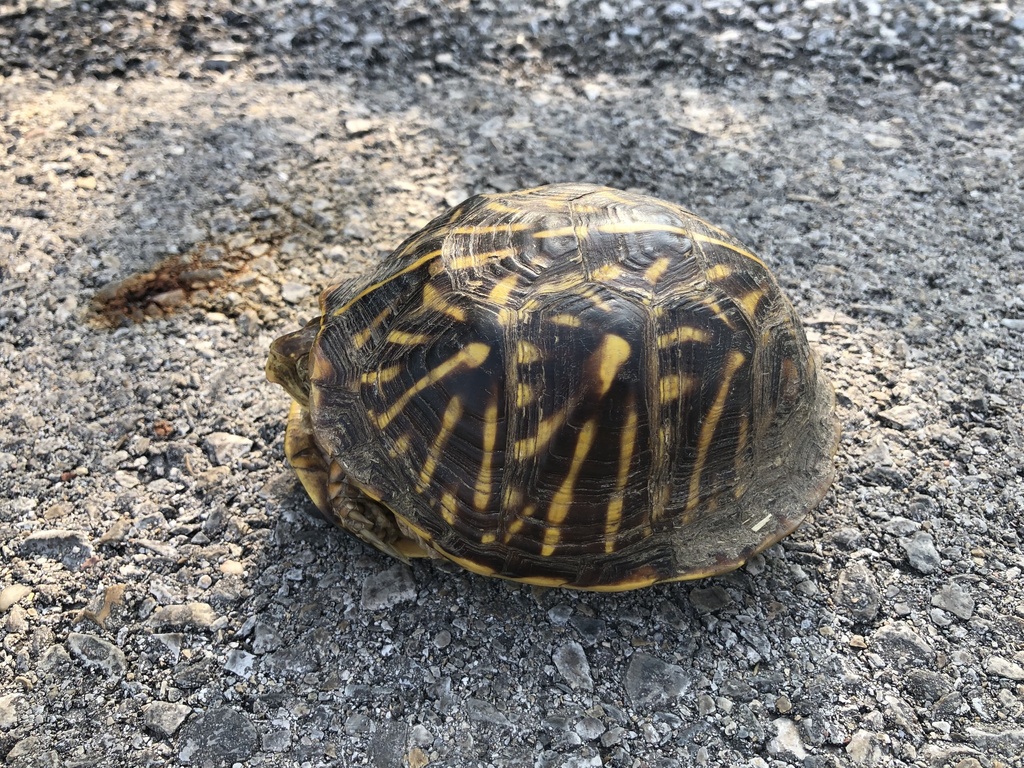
pixel 568 386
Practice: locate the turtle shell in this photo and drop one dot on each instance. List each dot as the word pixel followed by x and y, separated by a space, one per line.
pixel 570 385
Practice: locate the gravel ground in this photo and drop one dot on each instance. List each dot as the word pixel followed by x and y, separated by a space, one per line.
pixel 179 180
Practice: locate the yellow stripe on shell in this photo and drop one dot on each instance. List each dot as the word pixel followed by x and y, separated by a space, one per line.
pixel 449 507
pixel 610 356
pixel 452 414
pixel 749 301
pixel 569 321
pixel 579 231
pixel 525 394
pixel 527 352
pixel 528 447
pixel 627 445
pixel 363 337
pixel 682 335
pixel 381 376
pixel 485 480
pixel 492 229
pixel 471 356
pixel 432 300
pixel 561 503
pixel 518 522
pixel 606 273
pixel 718 272
pixel 412 267
pixel 675 385
pixel 471 260
pixel 720 314
pixel 502 291
pixel 656 271
pixel 707 432
pixel 409 339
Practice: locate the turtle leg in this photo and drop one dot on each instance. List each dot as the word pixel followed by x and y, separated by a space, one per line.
pixel 338 500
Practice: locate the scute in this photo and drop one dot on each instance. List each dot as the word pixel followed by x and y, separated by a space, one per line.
pixel 573 386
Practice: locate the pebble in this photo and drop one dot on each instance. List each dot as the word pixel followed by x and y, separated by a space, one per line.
pixel 652 683
pixel 857 595
pixel 9 711
pixel 921 552
pixel 95 652
pixel 910 416
pixel 70 547
pixel 442 639
pixel 710 599
pixel 265 638
pixel 927 685
pixel 481 711
pixel 195 615
pixel 164 718
pixel 589 728
pixel 219 735
pixel 571 662
pixel 224 448
pixel 421 736
pixel 1000 667
pixel 11 594
pixel 294 293
pixel 1008 742
pixel 954 598
pixel 900 645
pixel 277 737
pixel 239 662
pixel 387 589
pixel 863 749
pixel 786 742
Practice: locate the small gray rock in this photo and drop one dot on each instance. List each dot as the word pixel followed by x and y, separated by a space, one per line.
pixel 70 547
pixel 96 652
pixel 31 752
pixel 787 743
pixel 265 639
pixel 421 736
pixel 219 735
pixel 652 683
pixel 927 685
pixel 1000 667
pixel 589 728
pixel 11 594
pixel 710 599
pixel 572 664
pixel 480 711
pixel 277 737
pixel 863 749
pixel 194 615
pixel 239 662
pixel 388 588
pixel 857 595
pixel 900 645
pixel 224 448
pixel 293 293
pixel 1006 742
pixel 921 552
pixel 955 599
pixel 164 718
pixel 9 711
pixel 910 416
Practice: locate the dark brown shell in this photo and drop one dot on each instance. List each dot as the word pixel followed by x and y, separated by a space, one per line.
pixel 578 386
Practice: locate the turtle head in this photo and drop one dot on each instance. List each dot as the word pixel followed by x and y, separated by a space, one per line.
pixel 288 363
